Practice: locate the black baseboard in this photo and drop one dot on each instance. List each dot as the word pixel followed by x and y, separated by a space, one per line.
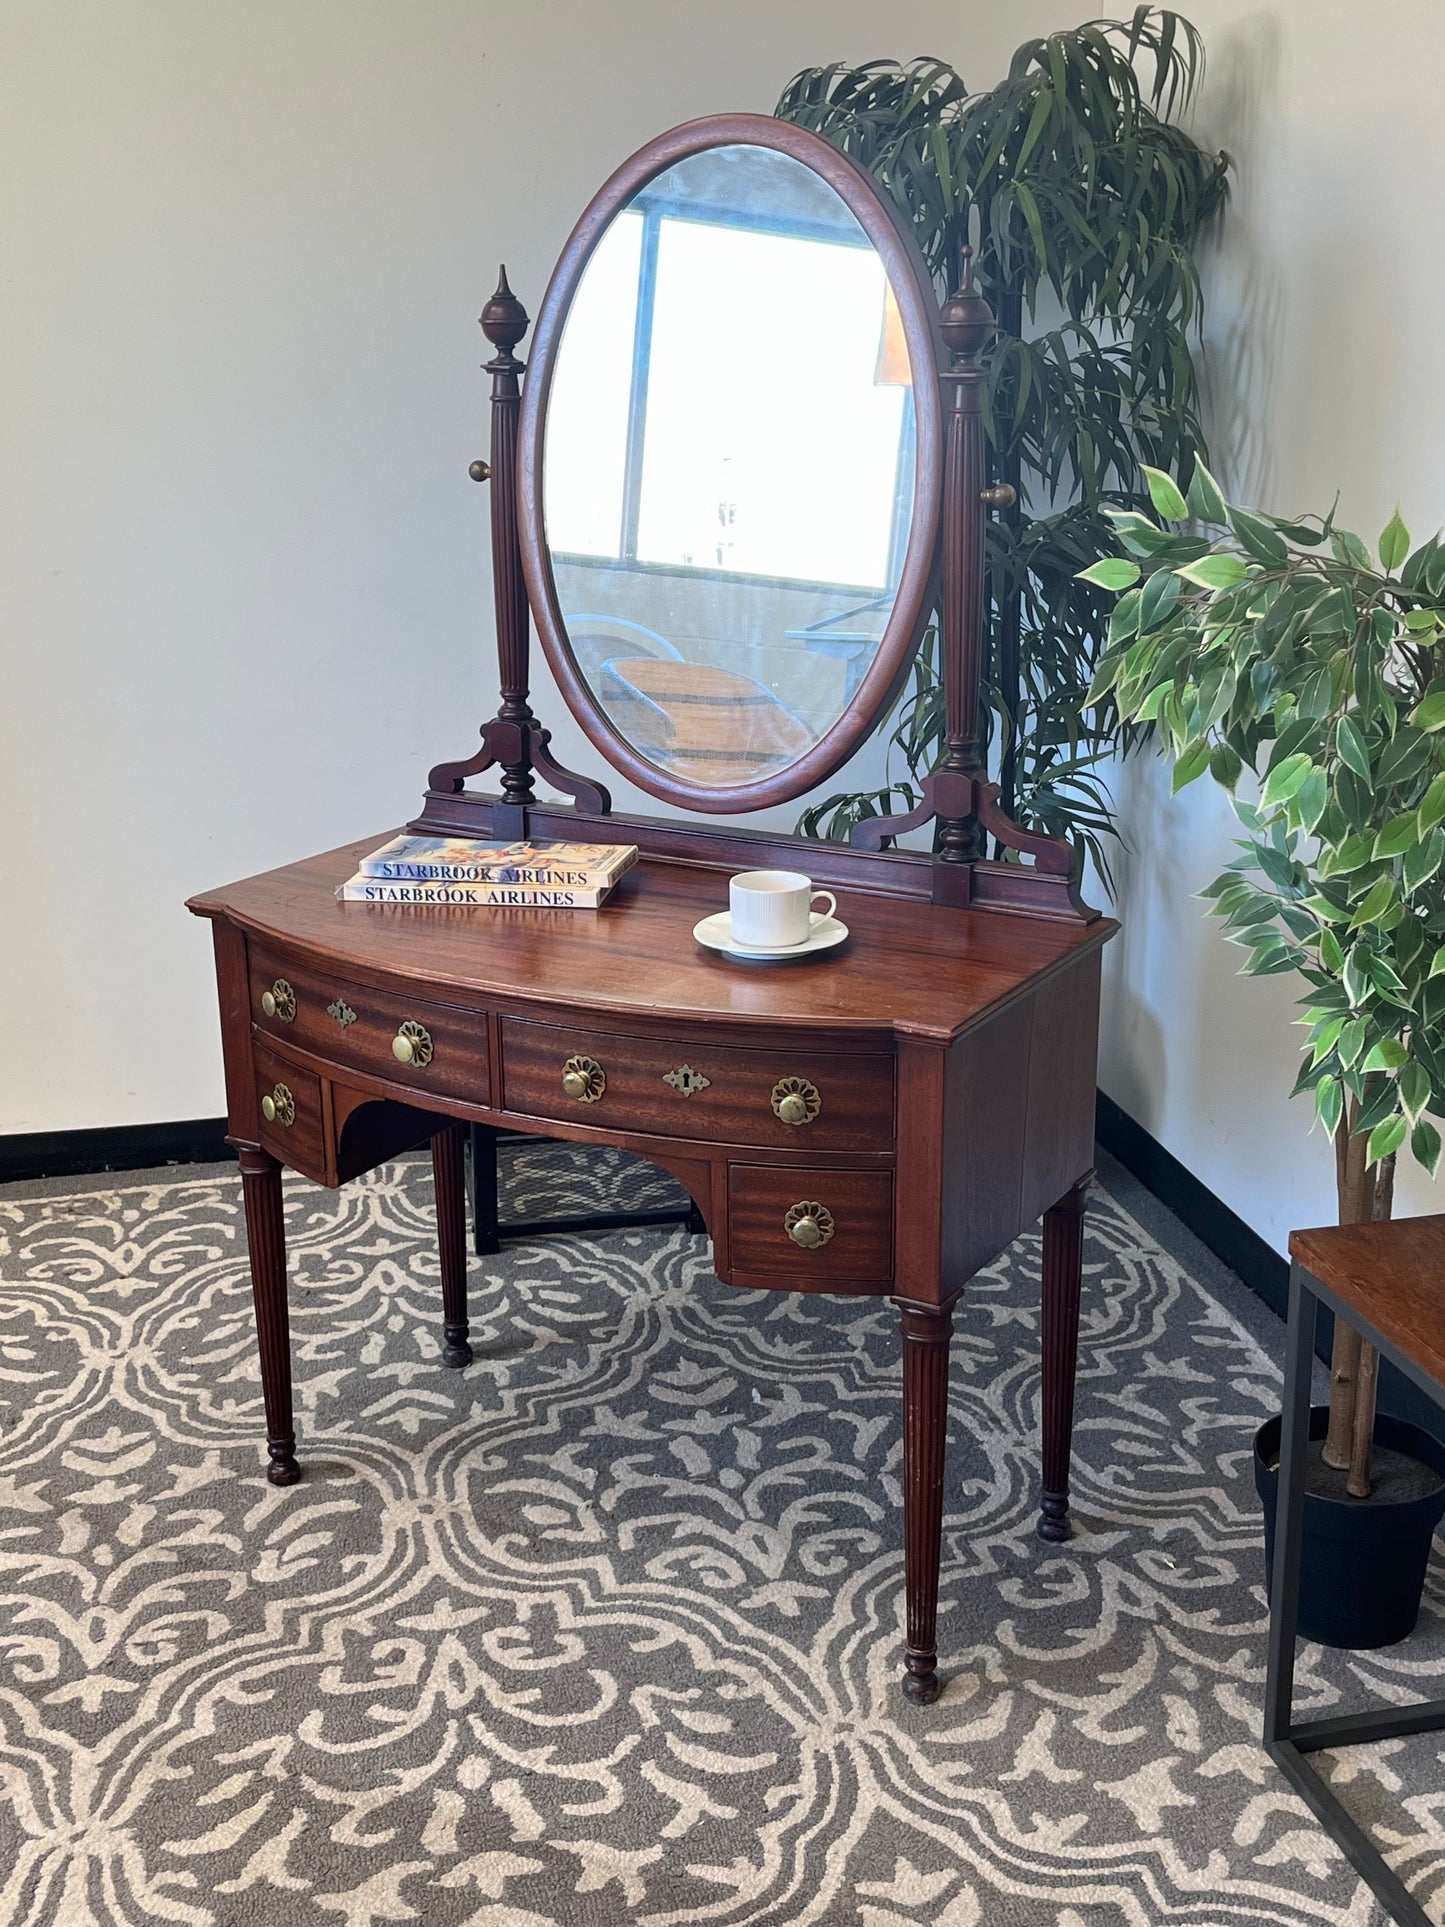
pixel 122 1147
pixel 1194 1204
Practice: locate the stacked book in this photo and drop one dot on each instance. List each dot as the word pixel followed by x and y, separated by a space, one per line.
pixel 445 869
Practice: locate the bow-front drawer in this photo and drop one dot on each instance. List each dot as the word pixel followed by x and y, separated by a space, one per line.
pixel 822 1228
pixel 794 1100
pixel 427 1046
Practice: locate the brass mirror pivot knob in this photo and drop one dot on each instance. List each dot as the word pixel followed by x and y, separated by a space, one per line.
pixel 809 1225
pixel 279 1001
pixel 480 471
pixel 412 1045
pixel 796 1101
pixel 278 1106
pixel 583 1079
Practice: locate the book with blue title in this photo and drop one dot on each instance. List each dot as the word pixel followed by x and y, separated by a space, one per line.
pixel 526 865
pixel 529 896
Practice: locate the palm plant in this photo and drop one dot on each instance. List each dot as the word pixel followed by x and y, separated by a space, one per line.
pixel 1089 201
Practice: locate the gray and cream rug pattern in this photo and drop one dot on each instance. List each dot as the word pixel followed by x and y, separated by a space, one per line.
pixel 607 1628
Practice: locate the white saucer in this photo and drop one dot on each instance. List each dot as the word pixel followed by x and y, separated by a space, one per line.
pixel 717 933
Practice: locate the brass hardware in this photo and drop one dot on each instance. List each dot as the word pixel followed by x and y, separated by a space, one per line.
pixel 280 1001
pixel 795 1100
pixel 686 1080
pixel 342 1012
pixel 809 1225
pixel 278 1106
pixel 584 1079
pixel 1002 495
pixel 480 471
pixel 412 1045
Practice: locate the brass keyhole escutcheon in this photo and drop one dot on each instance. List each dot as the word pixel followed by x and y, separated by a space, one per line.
pixel 412 1045
pixel 809 1225
pixel 584 1079
pixel 795 1100
pixel 278 1106
pixel 279 1001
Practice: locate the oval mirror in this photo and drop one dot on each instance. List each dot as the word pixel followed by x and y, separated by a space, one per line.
pixel 730 463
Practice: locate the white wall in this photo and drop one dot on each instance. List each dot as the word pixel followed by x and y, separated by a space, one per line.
pixel 244 599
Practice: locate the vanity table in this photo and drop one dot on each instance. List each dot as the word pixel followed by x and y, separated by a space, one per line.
pixel 883 1119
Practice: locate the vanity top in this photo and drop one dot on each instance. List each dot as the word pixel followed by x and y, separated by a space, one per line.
pixel 910 967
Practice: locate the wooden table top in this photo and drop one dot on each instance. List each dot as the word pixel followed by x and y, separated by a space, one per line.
pixel 909 967
pixel 1392 1274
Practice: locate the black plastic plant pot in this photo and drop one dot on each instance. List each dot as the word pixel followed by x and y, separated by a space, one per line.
pixel 1362 1561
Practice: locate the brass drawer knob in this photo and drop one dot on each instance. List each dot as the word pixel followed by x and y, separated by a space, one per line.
pixel 584 1079
pixel 278 1106
pixel 809 1225
pixel 795 1100
pixel 280 1001
pixel 412 1045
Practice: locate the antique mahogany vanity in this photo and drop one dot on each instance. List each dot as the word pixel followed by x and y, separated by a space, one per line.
pixel 746 471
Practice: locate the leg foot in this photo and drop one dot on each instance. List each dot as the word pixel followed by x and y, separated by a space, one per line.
pixel 266 1239
pixel 926 1333
pixel 922 1686
pixel 1063 1277
pixel 448 1163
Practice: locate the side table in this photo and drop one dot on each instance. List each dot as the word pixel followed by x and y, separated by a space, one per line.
pixel 1388 1280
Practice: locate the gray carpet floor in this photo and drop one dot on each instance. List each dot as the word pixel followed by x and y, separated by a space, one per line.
pixel 606 1628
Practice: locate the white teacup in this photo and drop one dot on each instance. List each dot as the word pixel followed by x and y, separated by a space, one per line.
pixel 773 909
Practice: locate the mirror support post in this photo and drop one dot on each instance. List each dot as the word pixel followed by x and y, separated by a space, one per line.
pixel 504 322
pixel 514 739
pixel 967 325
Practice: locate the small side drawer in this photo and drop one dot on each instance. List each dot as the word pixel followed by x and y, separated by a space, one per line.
pixel 294 1130
pixel 351 1025
pixel 722 1094
pixel 850 1213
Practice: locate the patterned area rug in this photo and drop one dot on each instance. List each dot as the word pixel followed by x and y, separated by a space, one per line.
pixel 607 1628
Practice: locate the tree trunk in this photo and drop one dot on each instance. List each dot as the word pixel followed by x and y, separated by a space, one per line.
pixel 1358 1483
pixel 1355 1188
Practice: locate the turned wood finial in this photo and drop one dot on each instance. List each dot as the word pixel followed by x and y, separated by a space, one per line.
pixel 504 319
pixel 966 320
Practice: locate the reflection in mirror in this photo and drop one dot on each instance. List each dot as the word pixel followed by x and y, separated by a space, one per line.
pixel 728 466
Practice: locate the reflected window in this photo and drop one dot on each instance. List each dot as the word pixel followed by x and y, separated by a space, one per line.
pixel 740 404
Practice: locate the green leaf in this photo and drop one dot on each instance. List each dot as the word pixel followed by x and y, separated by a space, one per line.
pixel 1203 498
pixel 1284 779
pixel 1414 1086
pixel 1425 1145
pixel 1394 543
pixel 1352 748
pixel 1310 800
pixel 1259 539
pixel 1164 494
pixel 1388 1055
pixel 1430 714
pixel 1437 965
pixel 1379 899
pixel 1114 572
pixel 1329 1103
pixel 1193 762
pixel 1400 833
pixel 1225 765
pixel 1432 805
pixel 1386 1139
pixel 1157 598
pixel 1331 955
pixel 1215 572
pixel 1352 1041
pixel 1423 861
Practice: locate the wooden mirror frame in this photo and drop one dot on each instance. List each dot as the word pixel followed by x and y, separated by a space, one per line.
pixel 957 797
pixel 913 601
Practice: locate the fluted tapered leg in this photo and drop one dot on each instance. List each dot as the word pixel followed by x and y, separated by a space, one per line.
pixel 448 1165
pixel 266 1239
pixel 1063 1277
pixel 926 1334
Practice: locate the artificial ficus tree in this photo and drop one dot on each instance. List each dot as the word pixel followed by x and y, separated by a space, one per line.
pixel 1285 650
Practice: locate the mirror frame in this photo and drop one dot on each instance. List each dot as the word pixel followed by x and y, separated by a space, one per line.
pixel 918 306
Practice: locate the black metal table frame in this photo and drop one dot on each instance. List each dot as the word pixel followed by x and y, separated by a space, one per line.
pixel 1288 1744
